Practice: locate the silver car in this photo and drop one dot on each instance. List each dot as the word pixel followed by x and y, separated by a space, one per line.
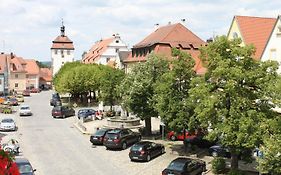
pixel 25 110
pixel 8 124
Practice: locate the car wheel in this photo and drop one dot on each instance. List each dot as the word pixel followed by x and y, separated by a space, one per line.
pixel 214 154
pixel 63 116
pixel 124 145
pixel 173 138
pixel 148 158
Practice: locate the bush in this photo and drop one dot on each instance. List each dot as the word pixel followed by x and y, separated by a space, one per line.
pixel 235 172
pixel 218 165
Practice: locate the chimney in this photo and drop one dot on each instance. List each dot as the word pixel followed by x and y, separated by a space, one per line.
pixel 210 40
pixel 156 26
pixel 169 23
pixel 183 20
pixel 2 53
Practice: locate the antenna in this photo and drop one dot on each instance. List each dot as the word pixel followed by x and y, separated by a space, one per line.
pixel 4 46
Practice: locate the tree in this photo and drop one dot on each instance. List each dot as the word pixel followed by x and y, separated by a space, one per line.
pixel 232 100
pixel 137 89
pixel 7 166
pixel 111 79
pixel 172 97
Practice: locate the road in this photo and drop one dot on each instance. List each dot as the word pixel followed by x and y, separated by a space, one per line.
pixel 56 147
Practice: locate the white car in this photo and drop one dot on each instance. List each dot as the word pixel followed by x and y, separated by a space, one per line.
pixel 8 124
pixel 25 110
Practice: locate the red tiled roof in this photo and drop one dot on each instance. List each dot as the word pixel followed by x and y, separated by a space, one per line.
pixel 31 67
pixel 17 64
pixel 256 31
pixel 97 50
pixel 46 74
pixel 62 42
pixel 3 62
pixel 173 34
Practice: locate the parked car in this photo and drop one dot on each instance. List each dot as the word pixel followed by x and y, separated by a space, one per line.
pixel 8 124
pixel 20 98
pixel 85 114
pixel 98 137
pixel 221 151
pixel 26 93
pixel 24 166
pixel 55 100
pixel 25 110
pixel 62 111
pixel 185 166
pixel 35 90
pixel 198 141
pixel 146 150
pixel 120 138
pixel 13 102
pixel 172 135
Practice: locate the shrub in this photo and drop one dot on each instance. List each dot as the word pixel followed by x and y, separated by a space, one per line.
pixel 235 172
pixel 218 165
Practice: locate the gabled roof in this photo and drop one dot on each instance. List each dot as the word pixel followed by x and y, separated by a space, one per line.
pixel 256 31
pixel 97 50
pixel 45 74
pixel 31 67
pixel 3 62
pixel 62 42
pixel 17 64
pixel 173 34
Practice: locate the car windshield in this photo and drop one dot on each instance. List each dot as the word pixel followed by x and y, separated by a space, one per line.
pixel 136 147
pixel 178 166
pixel 8 121
pixel 82 111
pixel 57 108
pixel 24 108
pixel 25 168
pixel 112 135
pixel 100 132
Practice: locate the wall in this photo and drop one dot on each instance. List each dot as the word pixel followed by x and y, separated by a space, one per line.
pixel 58 61
pixel 273 48
pixel 235 28
pixel 21 80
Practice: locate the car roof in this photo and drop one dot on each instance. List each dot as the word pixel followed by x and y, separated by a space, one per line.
pixel 142 143
pixel 182 159
pixel 116 130
pixel 21 160
pixel 24 105
pixel 7 119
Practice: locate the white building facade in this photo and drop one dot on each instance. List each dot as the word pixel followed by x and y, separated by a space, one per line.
pixel 272 50
pixel 62 51
pixel 106 52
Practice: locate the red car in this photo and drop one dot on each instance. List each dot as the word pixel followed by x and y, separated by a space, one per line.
pixel 172 135
pixel 35 90
pixel 26 93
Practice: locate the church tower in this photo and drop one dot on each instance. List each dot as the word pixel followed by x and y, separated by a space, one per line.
pixel 62 51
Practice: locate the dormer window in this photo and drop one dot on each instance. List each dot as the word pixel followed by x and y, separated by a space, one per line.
pixel 117 41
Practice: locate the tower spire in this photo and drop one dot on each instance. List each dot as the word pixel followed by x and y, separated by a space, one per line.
pixel 62 29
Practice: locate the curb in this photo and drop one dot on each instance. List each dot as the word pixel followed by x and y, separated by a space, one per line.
pixel 81 128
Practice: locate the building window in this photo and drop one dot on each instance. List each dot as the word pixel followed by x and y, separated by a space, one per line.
pixel 16 85
pixel 62 63
pixel 107 59
pixel 26 76
pixel 273 54
pixel 16 76
pixel 117 50
pixel 56 51
pixel 234 35
pixel 117 41
pixel 68 52
pixel 0 81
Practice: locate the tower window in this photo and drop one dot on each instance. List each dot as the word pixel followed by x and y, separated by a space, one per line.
pixel 61 52
pixel 117 50
pixel 16 85
pixel 68 52
pixel 56 51
pixel 117 41
pixel 16 76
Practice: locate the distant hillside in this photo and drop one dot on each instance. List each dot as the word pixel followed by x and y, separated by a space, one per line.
pixel 44 64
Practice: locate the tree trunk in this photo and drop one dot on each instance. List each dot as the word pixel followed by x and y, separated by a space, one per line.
pixel 234 161
pixel 147 126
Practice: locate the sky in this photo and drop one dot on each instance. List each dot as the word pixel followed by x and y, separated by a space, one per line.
pixel 28 27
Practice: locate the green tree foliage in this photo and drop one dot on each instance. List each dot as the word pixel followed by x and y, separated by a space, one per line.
pixel 110 79
pixel 137 89
pixel 172 97
pixel 233 99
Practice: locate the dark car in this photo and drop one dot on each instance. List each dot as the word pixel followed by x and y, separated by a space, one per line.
pixel 55 100
pixel 86 114
pixel 146 150
pixel 120 138
pixel 26 93
pixel 219 151
pixel 98 136
pixel 35 90
pixel 24 166
pixel 185 166
pixel 62 111
pixel 198 141
pixel 13 102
